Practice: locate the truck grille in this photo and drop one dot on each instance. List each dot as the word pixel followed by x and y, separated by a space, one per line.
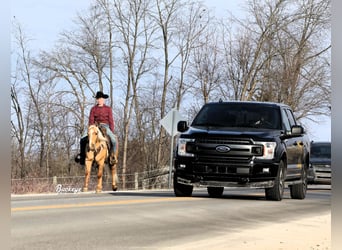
pixel 225 150
pixel 235 141
pixel 235 160
pixel 222 165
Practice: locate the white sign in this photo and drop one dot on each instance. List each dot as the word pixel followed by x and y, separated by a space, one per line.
pixel 169 122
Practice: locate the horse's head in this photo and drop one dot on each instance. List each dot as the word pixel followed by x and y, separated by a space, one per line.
pixel 95 136
pixel 93 132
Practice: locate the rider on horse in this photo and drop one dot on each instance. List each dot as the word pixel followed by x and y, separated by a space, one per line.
pixel 101 115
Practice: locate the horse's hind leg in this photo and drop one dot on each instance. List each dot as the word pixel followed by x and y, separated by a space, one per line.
pixel 113 168
pixel 114 177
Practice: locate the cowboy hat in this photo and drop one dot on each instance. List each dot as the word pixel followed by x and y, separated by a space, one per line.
pixel 99 94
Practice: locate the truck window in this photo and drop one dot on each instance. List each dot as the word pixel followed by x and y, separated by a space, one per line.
pixel 238 115
pixel 319 150
pixel 286 122
pixel 291 117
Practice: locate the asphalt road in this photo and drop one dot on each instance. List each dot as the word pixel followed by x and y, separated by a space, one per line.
pixel 149 219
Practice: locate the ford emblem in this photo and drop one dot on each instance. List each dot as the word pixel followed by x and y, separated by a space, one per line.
pixel 222 149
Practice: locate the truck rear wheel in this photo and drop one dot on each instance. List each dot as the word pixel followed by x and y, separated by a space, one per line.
pixel 298 191
pixel 276 192
pixel 215 191
pixel 181 190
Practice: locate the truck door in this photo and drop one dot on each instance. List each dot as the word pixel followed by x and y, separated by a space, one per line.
pixel 293 145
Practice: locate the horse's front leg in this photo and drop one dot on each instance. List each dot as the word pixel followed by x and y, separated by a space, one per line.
pixel 88 164
pixel 99 176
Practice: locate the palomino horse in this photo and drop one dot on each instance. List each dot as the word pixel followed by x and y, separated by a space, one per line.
pixel 97 150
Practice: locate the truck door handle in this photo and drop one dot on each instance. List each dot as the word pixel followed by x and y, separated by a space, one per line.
pixel 300 143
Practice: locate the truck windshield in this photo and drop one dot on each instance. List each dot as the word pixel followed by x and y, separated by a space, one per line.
pixel 320 150
pixel 238 115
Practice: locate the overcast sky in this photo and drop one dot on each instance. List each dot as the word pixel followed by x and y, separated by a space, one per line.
pixel 43 20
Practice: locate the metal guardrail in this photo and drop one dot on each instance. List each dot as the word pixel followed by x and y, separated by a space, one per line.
pixel 157 179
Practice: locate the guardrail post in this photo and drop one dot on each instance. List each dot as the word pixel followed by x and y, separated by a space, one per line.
pixel 54 180
pixel 136 180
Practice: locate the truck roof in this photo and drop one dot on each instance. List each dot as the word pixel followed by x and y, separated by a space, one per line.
pixel 251 102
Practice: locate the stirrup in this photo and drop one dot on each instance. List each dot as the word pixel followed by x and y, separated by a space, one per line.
pixel 78 158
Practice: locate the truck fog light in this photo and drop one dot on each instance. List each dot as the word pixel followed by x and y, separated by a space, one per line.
pixel 266 170
pixel 182 165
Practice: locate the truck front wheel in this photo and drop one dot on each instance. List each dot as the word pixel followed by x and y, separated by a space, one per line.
pixel 276 192
pixel 181 190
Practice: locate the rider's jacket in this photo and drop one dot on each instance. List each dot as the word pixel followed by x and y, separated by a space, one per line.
pixel 100 115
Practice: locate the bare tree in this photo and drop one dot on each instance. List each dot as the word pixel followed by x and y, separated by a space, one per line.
pixel 108 22
pixel 245 55
pixel 135 33
pixel 82 60
pixel 153 55
pixel 19 132
pixel 206 62
pixel 165 16
pixel 281 55
pixel 18 122
pixel 305 59
pixel 192 26
pixel 25 74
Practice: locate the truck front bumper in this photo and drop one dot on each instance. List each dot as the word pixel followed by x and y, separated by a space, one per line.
pixel 242 183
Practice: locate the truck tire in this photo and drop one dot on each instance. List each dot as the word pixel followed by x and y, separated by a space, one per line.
pixel 215 191
pixel 181 190
pixel 298 191
pixel 276 192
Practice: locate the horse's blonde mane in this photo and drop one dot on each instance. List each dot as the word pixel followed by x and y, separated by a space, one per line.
pixel 99 134
pixel 101 137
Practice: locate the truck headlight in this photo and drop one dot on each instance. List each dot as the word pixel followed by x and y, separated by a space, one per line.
pixel 268 149
pixel 182 147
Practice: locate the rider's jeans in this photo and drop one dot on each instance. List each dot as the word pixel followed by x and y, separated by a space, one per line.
pixel 111 136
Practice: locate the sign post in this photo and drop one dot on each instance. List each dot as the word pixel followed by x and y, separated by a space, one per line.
pixel 169 122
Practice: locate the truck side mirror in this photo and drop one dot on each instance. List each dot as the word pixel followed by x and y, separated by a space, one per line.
pixel 297 130
pixel 182 126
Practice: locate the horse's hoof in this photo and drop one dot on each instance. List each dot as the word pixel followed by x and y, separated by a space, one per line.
pixel 98 191
pixel 85 190
pixel 114 188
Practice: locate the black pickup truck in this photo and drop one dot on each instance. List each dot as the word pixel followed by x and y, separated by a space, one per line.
pixel 242 144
